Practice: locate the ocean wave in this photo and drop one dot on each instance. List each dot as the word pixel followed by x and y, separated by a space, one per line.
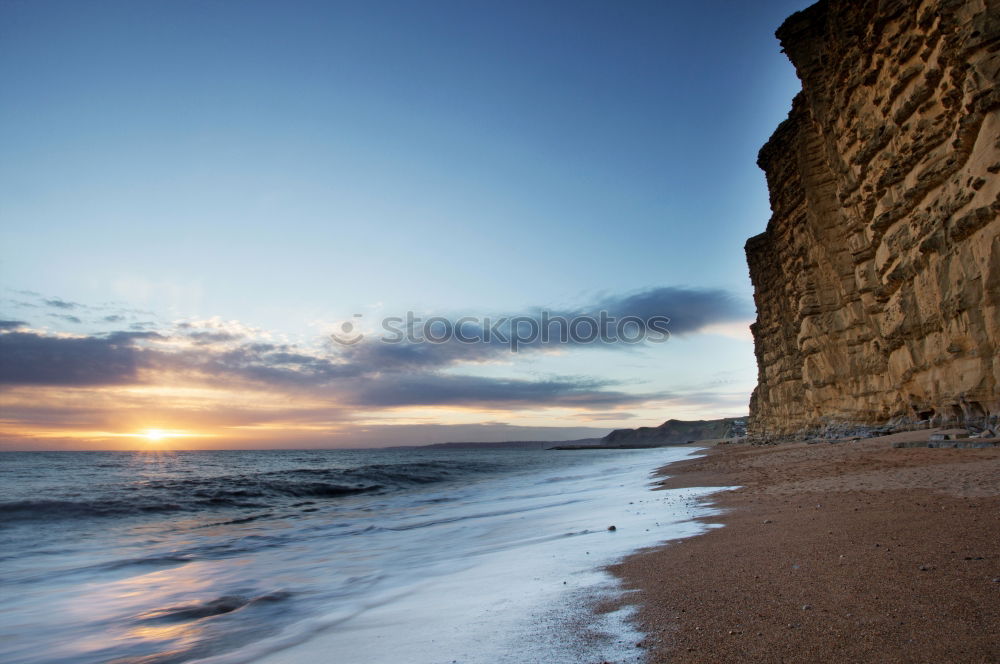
pixel 265 489
pixel 207 609
pixel 19 510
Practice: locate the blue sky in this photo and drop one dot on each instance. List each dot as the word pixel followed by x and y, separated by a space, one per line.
pixel 287 165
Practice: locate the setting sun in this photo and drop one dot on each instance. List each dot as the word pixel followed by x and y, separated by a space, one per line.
pixel 154 435
pixel 161 435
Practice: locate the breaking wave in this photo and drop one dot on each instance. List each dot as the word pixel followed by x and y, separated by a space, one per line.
pixel 257 490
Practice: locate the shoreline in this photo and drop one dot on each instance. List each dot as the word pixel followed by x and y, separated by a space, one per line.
pixel 528 581
pixel 856 551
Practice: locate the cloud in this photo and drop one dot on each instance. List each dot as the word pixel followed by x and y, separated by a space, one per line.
pixel 611 415
pixel 59 303
pixel 119 358
pixel 207 338
pixel 615 322
pixel 369 374
pixel 36 411
pixel 447 389
pixel 102 313
pixel 377 355
pixel 12 324
pixel 264 364
pixel 67 317
pixel 689 309
pixel 27 358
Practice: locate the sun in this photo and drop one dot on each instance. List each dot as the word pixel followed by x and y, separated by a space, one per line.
pixel 152 436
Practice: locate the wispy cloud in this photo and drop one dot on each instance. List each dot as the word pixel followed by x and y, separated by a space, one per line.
pixel 439 389
pixel 58 303
pixel 99 315
pixel 67 318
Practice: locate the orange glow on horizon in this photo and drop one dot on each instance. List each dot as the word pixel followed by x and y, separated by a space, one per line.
pixel 149 435
pixel 176 416
pixel 160 435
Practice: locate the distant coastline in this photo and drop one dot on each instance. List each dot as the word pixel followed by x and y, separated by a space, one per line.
pixel 670 433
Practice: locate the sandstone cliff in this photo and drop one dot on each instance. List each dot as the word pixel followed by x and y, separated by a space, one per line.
pixel 877 281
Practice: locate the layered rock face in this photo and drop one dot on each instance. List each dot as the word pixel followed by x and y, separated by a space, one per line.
pixel 877 281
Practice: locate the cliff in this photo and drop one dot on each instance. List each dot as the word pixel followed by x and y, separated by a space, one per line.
pixel 677 432
pixel 877 281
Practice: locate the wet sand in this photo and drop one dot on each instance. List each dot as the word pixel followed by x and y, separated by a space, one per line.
pixel 848 552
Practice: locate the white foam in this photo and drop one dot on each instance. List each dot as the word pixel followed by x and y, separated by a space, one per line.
pixel 516 585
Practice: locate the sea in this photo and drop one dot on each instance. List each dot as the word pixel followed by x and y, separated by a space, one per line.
pixel 346 556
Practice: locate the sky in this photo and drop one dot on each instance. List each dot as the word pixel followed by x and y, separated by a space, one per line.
pixel 195 196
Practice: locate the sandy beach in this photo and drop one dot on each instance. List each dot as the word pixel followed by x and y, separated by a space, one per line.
pixel 855 551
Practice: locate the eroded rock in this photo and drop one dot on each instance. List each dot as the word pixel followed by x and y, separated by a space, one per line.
pixel 877 281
